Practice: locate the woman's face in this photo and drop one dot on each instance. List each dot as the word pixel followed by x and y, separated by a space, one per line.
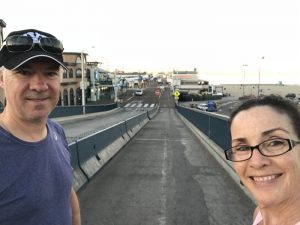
pixel 271 180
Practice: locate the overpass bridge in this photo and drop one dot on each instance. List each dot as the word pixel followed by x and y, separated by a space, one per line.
pixel 164 175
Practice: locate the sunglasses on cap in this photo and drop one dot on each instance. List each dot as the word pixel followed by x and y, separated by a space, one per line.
pixel 21 43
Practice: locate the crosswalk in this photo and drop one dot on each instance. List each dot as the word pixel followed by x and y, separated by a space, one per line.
pixel 139 105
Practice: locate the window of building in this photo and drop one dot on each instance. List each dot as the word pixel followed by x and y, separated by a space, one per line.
pixel 66 101
pixel 78 73
pixel 78 97
pixel 65 75
pixel 59 100
pixel 88 74
pixel 70 73
pixel 72 96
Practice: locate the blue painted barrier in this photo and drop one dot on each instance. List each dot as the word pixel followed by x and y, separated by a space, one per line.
pixel 212 125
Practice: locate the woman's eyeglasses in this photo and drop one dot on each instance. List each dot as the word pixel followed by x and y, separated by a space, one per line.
pixel 19 43
pixel 269 148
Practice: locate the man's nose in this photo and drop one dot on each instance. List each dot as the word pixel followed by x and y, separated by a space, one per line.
pixel 38 82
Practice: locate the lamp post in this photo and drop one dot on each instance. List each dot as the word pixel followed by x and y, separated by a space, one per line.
pixel 259 77
pixel 82 84
pixel 244 65
pixel 115 86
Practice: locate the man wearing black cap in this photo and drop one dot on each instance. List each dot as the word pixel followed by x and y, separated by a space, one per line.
pixel 36 175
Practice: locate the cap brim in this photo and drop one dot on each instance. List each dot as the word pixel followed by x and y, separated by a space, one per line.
pixel 19 59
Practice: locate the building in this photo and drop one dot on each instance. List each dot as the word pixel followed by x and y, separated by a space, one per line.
pixel 71 93
pixel 101 86
pixel 188 81
pixel 132 79
pixel 96 81
pixel 239 90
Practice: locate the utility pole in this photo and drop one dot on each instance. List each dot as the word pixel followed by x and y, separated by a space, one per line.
pixel 258 85
pixel 244 65
pixel 82 83
pixel 115 86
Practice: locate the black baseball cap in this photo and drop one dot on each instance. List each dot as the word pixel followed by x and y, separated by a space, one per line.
pixel 24 45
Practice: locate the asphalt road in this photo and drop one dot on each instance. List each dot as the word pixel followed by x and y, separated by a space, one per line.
pixel 84 126
pixel 164 176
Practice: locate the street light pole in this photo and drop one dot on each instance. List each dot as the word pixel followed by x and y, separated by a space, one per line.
pixel 258 85
pixel 115 86
pixel 244 65
pixel 82 83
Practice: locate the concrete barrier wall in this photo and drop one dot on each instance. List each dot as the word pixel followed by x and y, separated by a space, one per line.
pixel 91 153
pixel 79 176
pixel 134 124
pixel 152 112
pixel 90 146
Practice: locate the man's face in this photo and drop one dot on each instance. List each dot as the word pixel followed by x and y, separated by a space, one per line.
pixel 32 91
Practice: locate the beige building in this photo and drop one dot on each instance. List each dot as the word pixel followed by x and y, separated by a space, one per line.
pixel 239 90
pixel 97 83
pixel 188 81
pixel 70 82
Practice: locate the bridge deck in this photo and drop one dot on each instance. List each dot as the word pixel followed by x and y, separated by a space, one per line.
pixel 164 175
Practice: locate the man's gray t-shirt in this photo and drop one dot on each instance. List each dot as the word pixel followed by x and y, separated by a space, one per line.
pixel 36 179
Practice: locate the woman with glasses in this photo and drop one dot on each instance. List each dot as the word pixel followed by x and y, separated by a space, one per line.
pixel 265 152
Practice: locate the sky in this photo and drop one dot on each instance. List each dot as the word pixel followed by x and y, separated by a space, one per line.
pixel 217 37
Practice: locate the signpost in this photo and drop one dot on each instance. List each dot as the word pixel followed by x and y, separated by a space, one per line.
pixel 176 94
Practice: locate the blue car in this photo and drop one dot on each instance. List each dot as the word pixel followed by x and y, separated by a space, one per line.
pixel 211 106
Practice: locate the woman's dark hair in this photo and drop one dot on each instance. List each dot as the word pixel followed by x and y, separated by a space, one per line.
pixel 275 101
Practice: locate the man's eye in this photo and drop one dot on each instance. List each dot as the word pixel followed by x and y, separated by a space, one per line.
pixel 52 73
pixel 23 72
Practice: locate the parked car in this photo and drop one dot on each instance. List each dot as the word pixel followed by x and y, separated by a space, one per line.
pixel 209 106
pixel 291 95
pixel 293 98
pixel 139 92
pixel 202 106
